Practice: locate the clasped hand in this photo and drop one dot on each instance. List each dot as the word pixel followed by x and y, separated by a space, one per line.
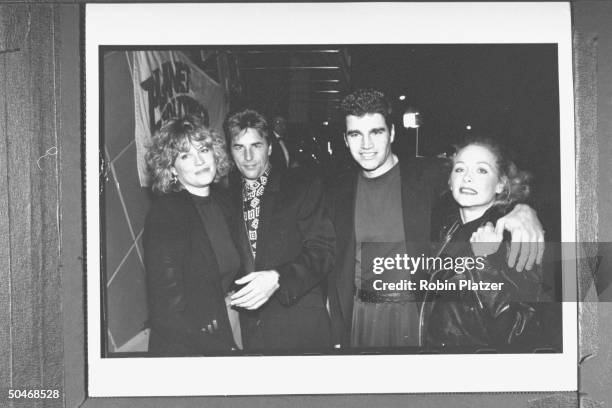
pixel 486 240
pixel 527 237
pixel 260 286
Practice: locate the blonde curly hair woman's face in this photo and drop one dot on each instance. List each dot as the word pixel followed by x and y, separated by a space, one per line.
pixel 475 180
pixel 196 168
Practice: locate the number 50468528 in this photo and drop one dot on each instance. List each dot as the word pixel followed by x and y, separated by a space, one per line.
pixel 33 394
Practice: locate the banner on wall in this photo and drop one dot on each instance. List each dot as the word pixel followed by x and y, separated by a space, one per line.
pixel 168 84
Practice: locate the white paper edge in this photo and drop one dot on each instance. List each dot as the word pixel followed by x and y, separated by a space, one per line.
pixel 317 23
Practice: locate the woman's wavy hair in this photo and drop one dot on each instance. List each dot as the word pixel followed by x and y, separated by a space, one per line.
pixel 173 138
pixel 516 182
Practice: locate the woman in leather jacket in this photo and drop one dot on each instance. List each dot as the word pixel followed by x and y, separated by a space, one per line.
pixel 190 257
pixel 488 308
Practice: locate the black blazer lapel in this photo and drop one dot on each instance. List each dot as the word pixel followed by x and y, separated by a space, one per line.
pixel 345 230
pixel 238 227
pixel 416 209
pixel 409 197
pixel 244 246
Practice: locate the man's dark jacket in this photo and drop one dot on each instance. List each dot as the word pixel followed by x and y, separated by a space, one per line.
pixel 184 289
pixel 421 182
pixel 277 158
pixel 295 238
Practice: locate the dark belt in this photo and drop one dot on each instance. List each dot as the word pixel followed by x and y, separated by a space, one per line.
pixel 384 297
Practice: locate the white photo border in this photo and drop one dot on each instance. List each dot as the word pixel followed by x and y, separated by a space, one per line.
pixel 318 23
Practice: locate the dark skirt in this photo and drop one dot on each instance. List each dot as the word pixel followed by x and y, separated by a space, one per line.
pixel 390 324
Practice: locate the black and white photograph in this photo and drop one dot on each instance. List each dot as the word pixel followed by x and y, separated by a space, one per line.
pixel 471 95
pixel 329 194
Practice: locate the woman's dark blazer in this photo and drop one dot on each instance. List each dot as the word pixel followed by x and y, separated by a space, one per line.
pixel 183 282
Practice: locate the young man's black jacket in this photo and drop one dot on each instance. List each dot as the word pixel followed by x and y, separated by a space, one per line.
pixel 422 181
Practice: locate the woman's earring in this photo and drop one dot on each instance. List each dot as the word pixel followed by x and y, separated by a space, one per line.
pixel 174 179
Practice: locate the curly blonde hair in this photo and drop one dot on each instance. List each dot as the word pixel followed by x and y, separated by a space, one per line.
pixel 515 181
pixel 174 137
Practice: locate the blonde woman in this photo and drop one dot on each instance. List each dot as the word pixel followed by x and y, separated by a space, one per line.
pixel 190 257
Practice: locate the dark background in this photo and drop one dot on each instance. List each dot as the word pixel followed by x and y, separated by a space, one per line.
pixel 508 92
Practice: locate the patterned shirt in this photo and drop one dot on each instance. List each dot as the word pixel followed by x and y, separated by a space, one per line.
pixel 251 203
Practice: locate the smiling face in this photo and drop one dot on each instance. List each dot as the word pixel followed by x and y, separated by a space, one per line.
pixel 196 168
pixel 369 140
pixel 475 179
pixel 251 153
